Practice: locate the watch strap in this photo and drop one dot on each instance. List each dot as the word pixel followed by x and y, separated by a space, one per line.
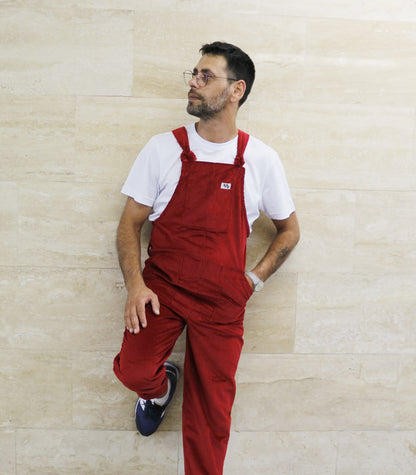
pixel 258 283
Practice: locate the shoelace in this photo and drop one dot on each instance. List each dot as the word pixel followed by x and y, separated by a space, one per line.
pixel 153 410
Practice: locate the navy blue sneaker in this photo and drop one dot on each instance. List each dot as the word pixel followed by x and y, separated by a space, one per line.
pixel 149 414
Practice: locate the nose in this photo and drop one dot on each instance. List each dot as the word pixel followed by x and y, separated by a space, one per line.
pixel 194 81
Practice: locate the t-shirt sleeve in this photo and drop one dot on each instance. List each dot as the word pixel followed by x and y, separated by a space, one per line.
pixel 276 199
pixel 142 181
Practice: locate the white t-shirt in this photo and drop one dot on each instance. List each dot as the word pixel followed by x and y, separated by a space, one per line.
pixel 156 171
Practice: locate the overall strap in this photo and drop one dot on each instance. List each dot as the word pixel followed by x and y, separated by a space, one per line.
pixel 181 136
pixel 187 155
pixel 241 146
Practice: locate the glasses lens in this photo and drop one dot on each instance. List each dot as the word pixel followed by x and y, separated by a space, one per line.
pixel 201 79
pixel 187 76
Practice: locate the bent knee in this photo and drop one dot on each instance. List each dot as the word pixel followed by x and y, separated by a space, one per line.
pixel 139 376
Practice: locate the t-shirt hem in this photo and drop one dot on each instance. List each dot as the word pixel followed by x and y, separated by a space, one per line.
pixel 139 199
pixel 281 216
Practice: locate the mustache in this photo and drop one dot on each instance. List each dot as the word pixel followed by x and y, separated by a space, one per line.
pixel 193 93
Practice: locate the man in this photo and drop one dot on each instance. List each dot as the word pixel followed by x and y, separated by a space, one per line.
pixel 202 187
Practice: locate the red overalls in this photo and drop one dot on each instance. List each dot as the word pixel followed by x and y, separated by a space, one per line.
pixel 197 256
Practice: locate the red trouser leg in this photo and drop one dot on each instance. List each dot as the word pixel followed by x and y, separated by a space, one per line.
pixel 214 344
pixel 139 365
pixel 212 354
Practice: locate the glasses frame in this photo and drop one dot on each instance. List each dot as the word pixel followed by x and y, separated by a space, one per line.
pixel 202 79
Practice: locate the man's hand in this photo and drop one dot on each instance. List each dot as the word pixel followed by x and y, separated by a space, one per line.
pixel 135 312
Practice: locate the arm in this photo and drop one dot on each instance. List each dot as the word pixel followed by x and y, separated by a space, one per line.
pixel 287 236
pixel 129 254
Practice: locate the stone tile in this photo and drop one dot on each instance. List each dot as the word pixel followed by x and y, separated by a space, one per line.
pixel 300 453
pixel 89 134
pixel 407 387
pixel 76 309
pixel 9 216
pixel 277 47
pixel 38 136
pixel 7 452
pixel 91 452
pixel 158 63
pixel 355 313
pixel 153 53
pixel 383 453
pixel 111 131
pixel 65 51
pixel 269 453
pixel 93 4
pixel 84 85
pixel 327 225
pixel 64 224
pixel 347 392
pixel 373 369
pixel 279 79
pixel 269 323
pixel 382 10
pixel 343 38
pixel 97 137
pixel 382 72
pixel 347 147
pixel 35 389
pixel 385 236
pixel 102 402
pixel 99 400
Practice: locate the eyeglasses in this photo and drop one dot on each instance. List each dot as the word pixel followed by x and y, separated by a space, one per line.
pixel 201 78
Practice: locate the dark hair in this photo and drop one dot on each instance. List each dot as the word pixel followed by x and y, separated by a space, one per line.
pixel 238 63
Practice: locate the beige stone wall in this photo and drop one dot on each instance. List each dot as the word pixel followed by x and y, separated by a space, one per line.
pixel 327 380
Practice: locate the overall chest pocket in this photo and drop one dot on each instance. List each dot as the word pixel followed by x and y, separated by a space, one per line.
pixel 210 197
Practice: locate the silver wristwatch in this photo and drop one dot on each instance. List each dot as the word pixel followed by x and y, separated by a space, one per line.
pixel 258 283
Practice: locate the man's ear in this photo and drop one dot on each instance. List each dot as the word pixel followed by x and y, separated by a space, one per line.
pixel 238 90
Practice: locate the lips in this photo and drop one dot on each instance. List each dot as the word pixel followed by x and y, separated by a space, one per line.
pixel 193 96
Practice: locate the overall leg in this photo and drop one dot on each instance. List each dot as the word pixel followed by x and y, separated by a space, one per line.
pixel 139 365
pixel 212 355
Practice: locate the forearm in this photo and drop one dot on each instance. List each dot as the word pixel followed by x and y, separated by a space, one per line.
pixel 277 253
pixel 287 236
pixel 129 254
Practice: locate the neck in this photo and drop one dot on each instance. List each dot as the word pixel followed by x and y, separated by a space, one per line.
pixel 217 131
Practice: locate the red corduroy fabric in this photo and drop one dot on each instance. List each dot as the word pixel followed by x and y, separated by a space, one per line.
pixel 196 264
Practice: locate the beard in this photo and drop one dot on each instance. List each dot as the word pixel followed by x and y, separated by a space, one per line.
pixel 208 109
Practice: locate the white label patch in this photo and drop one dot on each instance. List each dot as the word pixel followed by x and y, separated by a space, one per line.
pixel 225 186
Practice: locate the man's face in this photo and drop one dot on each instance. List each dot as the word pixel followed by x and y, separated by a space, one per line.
pixel 208 101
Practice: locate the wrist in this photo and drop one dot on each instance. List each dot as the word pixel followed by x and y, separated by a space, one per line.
pixel 258 283
pixel 134 283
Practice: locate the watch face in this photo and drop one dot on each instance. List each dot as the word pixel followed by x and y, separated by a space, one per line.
pixel 258 286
